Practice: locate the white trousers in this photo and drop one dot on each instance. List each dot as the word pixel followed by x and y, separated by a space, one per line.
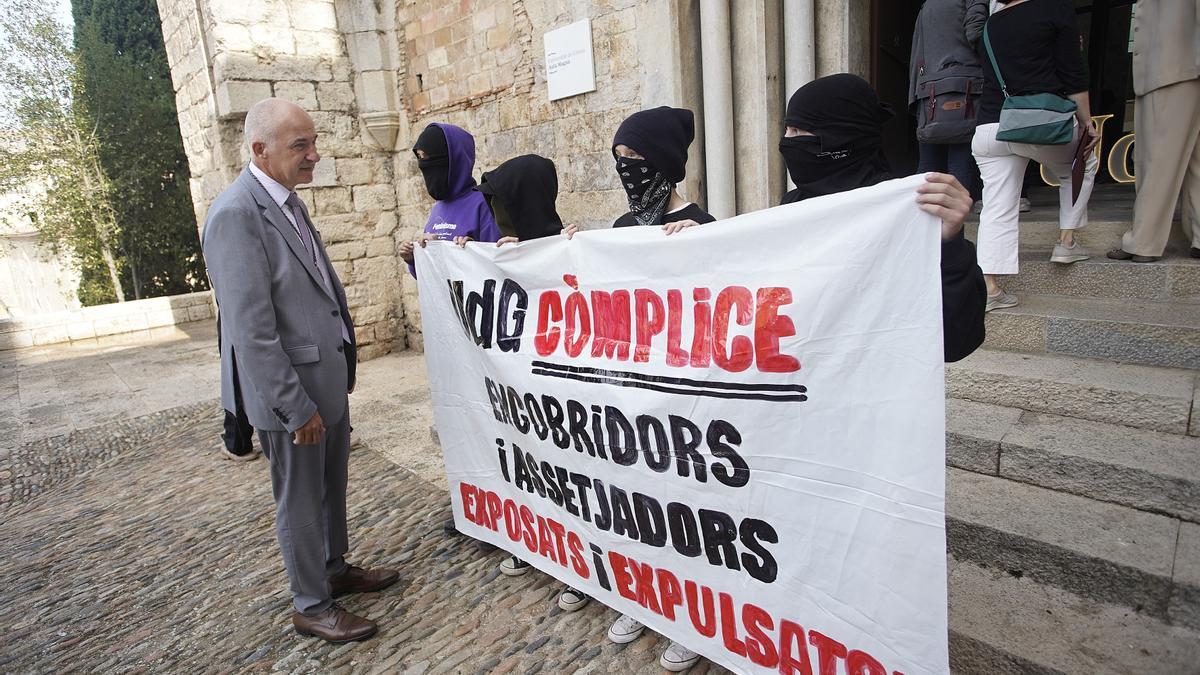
pixel 1002 167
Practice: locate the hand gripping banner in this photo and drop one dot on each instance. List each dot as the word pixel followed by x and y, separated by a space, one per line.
pixel 734 434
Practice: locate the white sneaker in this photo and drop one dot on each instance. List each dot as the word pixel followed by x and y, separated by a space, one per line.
pixel 1024 206
pixel 513 566
pixel 571 600
pixel 1069 254
pixel 678 658
pixel 625 629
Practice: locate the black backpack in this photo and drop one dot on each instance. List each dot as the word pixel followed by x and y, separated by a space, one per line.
pixel 946 106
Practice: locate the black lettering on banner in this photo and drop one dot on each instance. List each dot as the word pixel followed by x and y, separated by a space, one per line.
pixel 601 570
pixel 623 520
pixel 719 534
pixel 555 419
pixel 552 490
pixel 564 485
pixel 531 464
pixel 658 459
pixel 621 442
pixel 494 399
pixel 582 483
pixel 578 421
pixel 510 341
pixel 604 516
pixel 718 432
pixel 540 428
pixel 479 312
pixel 520 421
pixel 760 564
pixel 686 456
pixel 598 431
pixel 520 472
pixel 684 535
pixel 503 459
pixel 649 516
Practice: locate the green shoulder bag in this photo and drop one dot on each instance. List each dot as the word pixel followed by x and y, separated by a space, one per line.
pixel 1037 119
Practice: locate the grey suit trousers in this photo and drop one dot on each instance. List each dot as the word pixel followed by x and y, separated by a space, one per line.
pixel 309 484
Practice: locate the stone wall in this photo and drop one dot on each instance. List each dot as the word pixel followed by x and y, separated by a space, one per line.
pixel 227 54
pixel 86 325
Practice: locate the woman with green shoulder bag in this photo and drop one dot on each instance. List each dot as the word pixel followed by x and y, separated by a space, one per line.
pixel 1034 107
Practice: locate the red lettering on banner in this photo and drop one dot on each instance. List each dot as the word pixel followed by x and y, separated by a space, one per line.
pixel 759 646
pixel 578 563
pixel 862 663
pixel 545 540
pixel 610 317
pixel 560 545
pixel 737 303
pixel 644 576
pixel 648 309
pixel 829 652
pixel 467 491
pixel 670 594
pixel 729 626
pixel 549 309
pixel 492 500
pixel 579 324
pixel 621 576
pixel 528 529
pixel 512 523
pixel 769 326
pixel 676 356
pixel 700 608
pixel 791 635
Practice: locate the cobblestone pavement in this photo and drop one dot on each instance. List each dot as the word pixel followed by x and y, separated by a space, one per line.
pixel 152 555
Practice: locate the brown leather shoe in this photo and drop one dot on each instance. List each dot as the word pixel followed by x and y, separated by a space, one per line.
pixel 334 625
pixel 358 580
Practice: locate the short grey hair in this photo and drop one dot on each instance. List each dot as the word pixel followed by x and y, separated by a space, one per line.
pixel 263 118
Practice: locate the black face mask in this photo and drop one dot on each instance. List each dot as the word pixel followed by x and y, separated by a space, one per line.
pixel 648 191
pixel 819 170
pixel 437 177
pixel 435 165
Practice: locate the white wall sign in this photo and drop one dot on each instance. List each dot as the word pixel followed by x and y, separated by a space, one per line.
pixel 570 69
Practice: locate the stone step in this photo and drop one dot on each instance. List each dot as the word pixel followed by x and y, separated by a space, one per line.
pixel 1145 470
pixel 1040 231
pixel 1129 331
pixel 1099 551
pixel 1001 623
pixel 1175 278
pixel 1146 397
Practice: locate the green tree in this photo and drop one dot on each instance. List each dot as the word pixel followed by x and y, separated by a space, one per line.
pixel 127 89
pixel 49 141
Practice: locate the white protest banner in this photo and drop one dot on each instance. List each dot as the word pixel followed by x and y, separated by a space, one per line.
pixel 734 434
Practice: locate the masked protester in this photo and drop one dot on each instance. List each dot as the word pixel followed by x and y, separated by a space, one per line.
pixel 651 150
pixel 833 143
pixel 521 194
pixel 446 157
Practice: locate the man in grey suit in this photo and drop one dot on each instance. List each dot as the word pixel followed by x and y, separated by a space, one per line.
pixel 287 337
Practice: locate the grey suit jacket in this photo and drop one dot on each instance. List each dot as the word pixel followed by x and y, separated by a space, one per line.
pixel 281 329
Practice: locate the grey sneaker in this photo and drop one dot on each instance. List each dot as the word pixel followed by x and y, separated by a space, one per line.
pixel 1069 254
pixel 625 629
pixel 678 658
pixel 1024 206
pixel 513 566
pixel 572 600
pixel 1001 300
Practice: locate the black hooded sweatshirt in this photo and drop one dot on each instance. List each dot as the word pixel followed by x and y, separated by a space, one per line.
pixel 662 135
pixel 845 153
pixel 521 193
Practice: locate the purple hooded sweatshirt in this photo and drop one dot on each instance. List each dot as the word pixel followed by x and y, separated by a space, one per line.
pixel 465 213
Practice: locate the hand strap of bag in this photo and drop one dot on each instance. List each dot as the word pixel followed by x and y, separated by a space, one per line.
pixel 987 45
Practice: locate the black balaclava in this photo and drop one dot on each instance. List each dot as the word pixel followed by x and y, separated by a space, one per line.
pixel 521 193
pixel 661 135
pixel 435 166
pixel 845 152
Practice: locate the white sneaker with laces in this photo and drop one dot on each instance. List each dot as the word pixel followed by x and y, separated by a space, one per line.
pixel 571 600
pixel 625 629
pixel 678 658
